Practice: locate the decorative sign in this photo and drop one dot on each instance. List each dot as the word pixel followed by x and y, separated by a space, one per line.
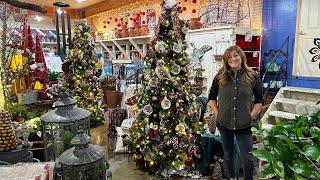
pixel 316 51
pixel 54 64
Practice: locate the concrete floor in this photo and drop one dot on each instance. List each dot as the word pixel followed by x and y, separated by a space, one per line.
pixel 120 166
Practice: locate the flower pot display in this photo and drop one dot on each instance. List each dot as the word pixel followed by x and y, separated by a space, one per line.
pixel 195 23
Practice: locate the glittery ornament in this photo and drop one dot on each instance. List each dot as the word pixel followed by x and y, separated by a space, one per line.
pixel 153 82
pixel 165 103
pixel 161 71
pixel 177 47
pixel 175 69
pixel 148 109
pixel 160 47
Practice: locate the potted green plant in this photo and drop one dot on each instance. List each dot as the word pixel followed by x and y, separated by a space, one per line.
pixel 291 149
pixel 16 110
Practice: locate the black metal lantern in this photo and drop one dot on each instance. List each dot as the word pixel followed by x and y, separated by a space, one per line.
pixel 84 161
pixel 61 125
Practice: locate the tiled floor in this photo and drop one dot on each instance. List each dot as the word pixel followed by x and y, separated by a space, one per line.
pixel 121 168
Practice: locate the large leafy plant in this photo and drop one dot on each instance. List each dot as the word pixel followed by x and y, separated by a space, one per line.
pixel 291 149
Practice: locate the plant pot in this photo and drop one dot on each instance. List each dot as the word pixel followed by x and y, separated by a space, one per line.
pixel 195 23
pixel 144 30
pixel 124 33
pixel 117 33
pixel 132 32
pixel 137 31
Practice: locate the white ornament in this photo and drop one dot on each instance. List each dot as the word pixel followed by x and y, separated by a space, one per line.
pixel 160 47
pixel 153 82
pixel 148 109
pixel 165 103
pixel 177 48
pixel 168 4
pixel 175 69
pixel 161 71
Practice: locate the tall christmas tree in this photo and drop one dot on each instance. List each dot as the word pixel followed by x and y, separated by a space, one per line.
pixel 81 74
pixel 165 135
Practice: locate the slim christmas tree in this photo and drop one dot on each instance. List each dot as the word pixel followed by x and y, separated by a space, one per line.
pixel 81 74
pixel 165 134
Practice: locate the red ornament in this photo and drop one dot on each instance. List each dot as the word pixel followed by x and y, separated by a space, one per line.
pixel 194 11
pixel 116 19
pixel 121 19
pixel 143 22
pixel 130 19
pixel 118 25
pixel 184 8
pixel 110 18
pixel 143 13
pixel 108 22
pixel 104 26
pixel 194 1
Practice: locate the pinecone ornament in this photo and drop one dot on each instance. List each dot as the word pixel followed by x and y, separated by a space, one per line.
pixel 8 140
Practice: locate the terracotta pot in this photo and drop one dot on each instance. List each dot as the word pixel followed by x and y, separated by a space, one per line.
pixel 124 33
pixel 144 30
pixel 195 23
pixel 132 32
pixel 118 33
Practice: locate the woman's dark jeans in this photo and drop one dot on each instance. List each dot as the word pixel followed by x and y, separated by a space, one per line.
pixel 244 141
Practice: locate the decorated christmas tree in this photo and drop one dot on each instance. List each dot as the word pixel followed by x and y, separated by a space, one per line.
pixel 82 75
pixel 165 135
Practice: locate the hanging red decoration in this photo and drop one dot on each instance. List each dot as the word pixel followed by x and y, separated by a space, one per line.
pixel 116 19
pixel 194 1
pixel 108 22
pixel 121 19
pixel 194 11
pixel 143 13
pixel 152 14
pixel 130 19
pixel 104 26
pixel 118 25
pixel 184 8
pixel 143 22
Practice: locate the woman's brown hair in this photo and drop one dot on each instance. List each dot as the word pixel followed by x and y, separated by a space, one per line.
pixel 223 73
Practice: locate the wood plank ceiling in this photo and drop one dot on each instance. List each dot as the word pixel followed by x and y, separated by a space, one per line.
pixel 74 4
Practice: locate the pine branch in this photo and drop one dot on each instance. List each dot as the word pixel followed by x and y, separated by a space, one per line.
pixel 25 5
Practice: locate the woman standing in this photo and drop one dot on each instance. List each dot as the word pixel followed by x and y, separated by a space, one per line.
pixel 236 99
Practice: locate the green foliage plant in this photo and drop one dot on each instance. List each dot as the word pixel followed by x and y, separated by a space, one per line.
pixel 291 149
